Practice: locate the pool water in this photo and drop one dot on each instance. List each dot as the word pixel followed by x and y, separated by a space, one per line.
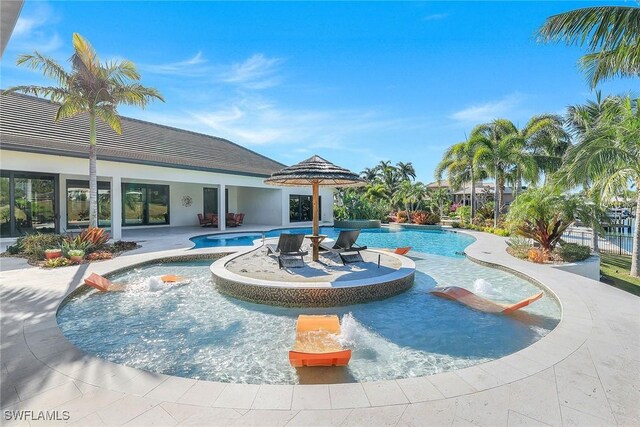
pixel 193 331
pixel 428 241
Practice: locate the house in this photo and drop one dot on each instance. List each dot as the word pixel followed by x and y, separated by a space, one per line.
pixel 150 176
pixel 484 192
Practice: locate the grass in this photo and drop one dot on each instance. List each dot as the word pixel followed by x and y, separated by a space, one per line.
pixel 615 268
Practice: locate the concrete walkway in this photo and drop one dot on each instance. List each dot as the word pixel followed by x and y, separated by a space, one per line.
pixel 585 372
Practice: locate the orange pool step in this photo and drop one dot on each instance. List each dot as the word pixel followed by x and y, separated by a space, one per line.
pixel 472 300
pixel 316 343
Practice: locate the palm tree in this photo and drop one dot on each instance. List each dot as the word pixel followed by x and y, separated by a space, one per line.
pixel 91 87
pixel 495 154
pixel 458 163
pixel 439 198
pixel 608 156
pixel 580 120
pixel 410 195
pixel 611 34
pixel 369 174
pixel 406 171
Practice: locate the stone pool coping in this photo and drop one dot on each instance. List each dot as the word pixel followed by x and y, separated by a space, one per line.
pixel 65 374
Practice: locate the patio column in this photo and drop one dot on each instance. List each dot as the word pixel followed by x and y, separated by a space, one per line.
pixel 116 208
pixel 284 195
pixel 222 208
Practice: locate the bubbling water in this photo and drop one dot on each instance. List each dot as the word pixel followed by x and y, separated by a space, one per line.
pixel 485 288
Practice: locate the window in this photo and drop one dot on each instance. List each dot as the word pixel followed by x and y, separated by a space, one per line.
pixel 28 203
pixel 145 204
pixel 78 204
pixel 301 208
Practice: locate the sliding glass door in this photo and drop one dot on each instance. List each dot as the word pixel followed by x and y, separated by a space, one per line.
pixel 145 204
pixel 28 203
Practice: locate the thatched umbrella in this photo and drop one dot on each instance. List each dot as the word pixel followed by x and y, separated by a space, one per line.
pixel 315 171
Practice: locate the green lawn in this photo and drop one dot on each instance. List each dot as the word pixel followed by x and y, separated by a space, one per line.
pixel 615 268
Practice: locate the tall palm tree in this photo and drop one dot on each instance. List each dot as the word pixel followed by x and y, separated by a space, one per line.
pixel 406 171
pixel 92 88
pixel 580 120
pixel 609 156
pixel 459 165
pixel 369 174
pixel 611 34
pixel 495 154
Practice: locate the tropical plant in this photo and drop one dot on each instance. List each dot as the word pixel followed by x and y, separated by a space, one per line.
pixel 406 171
pixel 439 199
pixel 96 237
pixel 76 252
pixel 409 195
pixel 611 34
pixel 33 246
pixel 56 262
pixel 459 165
pixel 543 214
pixel 608 156
pixel 573 252
pixel 91 87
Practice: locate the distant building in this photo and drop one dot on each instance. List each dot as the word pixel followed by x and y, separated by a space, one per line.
pixel 484 192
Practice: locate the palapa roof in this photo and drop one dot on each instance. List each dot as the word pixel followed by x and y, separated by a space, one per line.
pixel 28 125
pixel 315 168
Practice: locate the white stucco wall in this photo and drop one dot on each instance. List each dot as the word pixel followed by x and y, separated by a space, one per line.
pixel 260 206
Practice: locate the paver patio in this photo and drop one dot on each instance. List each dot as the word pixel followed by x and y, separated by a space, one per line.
pixel 585 372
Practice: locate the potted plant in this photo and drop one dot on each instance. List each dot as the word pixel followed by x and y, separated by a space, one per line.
pixel 76 255
pixel 53 253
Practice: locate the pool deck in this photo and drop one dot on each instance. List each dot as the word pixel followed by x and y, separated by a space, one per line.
pixel 585 372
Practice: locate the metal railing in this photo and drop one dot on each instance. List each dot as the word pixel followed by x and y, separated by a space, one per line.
pixel 618 244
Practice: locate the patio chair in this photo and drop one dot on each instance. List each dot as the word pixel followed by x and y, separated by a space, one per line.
pixel 288 250
pixel 204 222
pixel 231 219
pixel 213 219
pixel 239 218
pixel 345 246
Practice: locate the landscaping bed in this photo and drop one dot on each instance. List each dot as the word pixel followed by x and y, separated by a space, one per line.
pixel 56 250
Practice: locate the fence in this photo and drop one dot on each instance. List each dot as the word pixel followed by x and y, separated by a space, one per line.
pixel 618 244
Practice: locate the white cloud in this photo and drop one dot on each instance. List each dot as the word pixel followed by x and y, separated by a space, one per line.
pixel 256 72
pixel 191 67
pixel 34 30
pixel 436 16
pixel 489 110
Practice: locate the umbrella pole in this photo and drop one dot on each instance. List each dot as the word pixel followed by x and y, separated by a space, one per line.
pixel 316 243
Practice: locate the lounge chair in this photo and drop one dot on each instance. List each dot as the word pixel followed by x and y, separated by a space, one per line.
pixel 204 222
pixel 231 220
pixel 317 344
pixel 472 300
pixel 345 246
pixel 288 250
pixel 239 218
pixel 102 283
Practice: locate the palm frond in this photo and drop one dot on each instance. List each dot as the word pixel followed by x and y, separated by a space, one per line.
pixel 49 67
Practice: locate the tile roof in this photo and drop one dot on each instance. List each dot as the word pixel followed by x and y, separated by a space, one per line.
pixel 28 125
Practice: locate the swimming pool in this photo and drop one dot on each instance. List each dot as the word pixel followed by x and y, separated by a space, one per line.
pixel 427 241
pixel 193 331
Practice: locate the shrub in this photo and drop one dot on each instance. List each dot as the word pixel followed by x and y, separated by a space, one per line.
pixel 456 224
pixel 402 217
pixel 56 262
pixel 96 237
pixel 502 232
pixel 572 252
pixel 519 247
pixel 76 252
pixel 420 217
pixel 433 218
pixel 537 255
pixel 34 245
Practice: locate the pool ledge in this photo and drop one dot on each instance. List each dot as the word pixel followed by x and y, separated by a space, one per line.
pixel 292 293
pixel 42 370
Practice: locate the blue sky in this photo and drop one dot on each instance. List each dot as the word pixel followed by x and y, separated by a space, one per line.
pixel 353 82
